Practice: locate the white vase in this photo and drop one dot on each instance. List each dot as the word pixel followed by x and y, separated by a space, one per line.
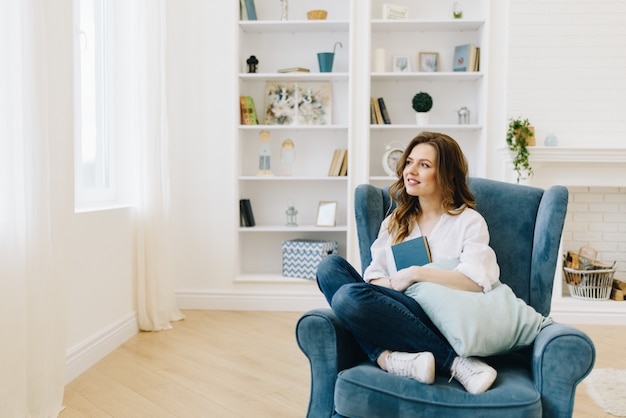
pixel 422 118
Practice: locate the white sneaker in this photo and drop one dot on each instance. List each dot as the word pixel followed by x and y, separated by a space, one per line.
pixel 475 375
pixel 418 366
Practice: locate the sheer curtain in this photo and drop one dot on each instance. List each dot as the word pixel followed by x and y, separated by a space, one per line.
pixel 32 293
pixel 157 304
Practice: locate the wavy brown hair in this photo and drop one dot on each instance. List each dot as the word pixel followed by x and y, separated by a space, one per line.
pixel 452 175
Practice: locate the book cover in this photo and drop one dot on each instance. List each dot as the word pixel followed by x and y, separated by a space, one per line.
pixel 414 252
pixel 254 120
pixel 383 111
pixel 338 157
pixel 462 57
pixel 250 9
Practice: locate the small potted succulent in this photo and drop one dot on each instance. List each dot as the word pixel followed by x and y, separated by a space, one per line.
pixel 519 136
pixel 422 103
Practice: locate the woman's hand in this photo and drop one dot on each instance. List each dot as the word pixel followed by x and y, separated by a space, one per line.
pixel 404 278
pixel 383 282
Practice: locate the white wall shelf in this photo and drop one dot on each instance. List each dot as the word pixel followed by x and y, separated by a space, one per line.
pixel 299 228
pixel 294 26
pixel 295 76
pixel 422 25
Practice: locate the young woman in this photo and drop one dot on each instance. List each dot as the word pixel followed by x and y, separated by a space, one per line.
pixel 433 200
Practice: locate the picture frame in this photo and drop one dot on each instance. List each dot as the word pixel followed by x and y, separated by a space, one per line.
pixel 326 213
pixel 428 62
pixel 401 64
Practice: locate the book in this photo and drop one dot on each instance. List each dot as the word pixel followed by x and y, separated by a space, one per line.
pixel 250 9
pixel 383 111
pixel 477 60
pixel 372 114
pixel 245 213
pixel 254 120
pixel 294 70
pixel 343 170
pixel 414 252
pixel 243 13
pixel 464 58
pixel 336 164
pixel 379 115
pixel 243 111
pixel 333 163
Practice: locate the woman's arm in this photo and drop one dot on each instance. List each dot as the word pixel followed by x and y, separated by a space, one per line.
pixel 449 278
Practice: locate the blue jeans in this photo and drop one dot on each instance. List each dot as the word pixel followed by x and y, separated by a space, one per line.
pixel 380 318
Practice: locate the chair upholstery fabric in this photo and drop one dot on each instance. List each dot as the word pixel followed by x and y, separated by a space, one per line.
pixel 525 224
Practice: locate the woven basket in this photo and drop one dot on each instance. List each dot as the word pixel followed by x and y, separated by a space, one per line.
pixel 589 284
pixel 317 14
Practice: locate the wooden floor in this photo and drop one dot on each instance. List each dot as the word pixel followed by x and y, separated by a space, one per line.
pixel 235 364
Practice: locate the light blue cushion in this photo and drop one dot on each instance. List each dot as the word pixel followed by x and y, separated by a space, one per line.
pixel 479 324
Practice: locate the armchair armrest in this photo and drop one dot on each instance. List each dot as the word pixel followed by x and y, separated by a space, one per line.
pixel 562 357
pixel 330 349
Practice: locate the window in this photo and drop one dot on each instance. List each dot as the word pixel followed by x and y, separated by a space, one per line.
pixel 102 146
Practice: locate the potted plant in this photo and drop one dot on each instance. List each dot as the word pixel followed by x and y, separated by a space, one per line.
pixel 519 136
pixel 422 103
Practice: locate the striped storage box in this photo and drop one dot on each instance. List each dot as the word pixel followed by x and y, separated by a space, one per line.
pixel 302 256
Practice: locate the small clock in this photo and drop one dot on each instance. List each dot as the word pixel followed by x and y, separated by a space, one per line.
pixel 391 158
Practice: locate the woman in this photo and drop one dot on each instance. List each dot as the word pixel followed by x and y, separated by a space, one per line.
pixel 433 200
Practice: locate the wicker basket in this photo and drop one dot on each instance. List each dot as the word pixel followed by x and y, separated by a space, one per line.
pixel 316 14
pixel 589 284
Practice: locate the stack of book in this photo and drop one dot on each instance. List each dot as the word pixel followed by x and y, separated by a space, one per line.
pixel 339 163
pixel 379 115
pixel 247 111
pixel 466 58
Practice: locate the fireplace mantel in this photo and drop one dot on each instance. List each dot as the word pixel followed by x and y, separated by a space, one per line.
pixel 592 167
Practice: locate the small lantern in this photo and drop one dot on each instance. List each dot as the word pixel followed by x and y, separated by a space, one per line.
pixel 292 216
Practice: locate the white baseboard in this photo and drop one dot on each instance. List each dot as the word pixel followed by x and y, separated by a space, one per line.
pixel 570 311
pixel 292 301
pixel 84 355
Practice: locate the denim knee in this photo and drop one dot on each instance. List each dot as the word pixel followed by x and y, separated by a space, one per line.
pixel 346 299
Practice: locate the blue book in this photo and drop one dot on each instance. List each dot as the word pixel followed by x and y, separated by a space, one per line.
pixel 250 9
pixel 414 252
pixel 464 58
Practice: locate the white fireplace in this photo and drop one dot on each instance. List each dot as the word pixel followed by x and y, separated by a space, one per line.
pixel 596 180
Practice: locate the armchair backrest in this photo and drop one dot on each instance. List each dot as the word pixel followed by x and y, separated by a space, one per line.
pixel 525 225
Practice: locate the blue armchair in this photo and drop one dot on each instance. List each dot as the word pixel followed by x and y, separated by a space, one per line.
pixel 525 224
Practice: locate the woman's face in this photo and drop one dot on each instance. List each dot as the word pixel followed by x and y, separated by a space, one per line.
pixel 420 172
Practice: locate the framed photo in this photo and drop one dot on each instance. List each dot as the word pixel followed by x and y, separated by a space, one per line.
pixel 429 62
pixel 326 213
pixel 401 64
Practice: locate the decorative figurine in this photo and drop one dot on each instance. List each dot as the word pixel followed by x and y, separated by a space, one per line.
pixel 265 152
pixel 291 212
pixel 284 12
pixel 252 63
pixel 288 155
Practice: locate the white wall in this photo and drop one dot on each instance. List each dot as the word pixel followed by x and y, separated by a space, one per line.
pixel 567 69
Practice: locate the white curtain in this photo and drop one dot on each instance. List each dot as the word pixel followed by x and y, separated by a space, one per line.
pixel 157 304
pixel 32 292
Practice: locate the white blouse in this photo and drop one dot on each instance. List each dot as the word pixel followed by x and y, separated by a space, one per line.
pixel 464 237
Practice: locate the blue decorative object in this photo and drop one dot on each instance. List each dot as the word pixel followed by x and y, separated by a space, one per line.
pixel 550 140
